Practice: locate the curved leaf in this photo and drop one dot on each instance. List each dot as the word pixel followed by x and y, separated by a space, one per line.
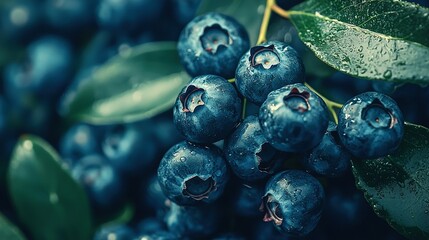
pixel 397 186
pixel 139 84
pixel 9 231
pixel 247 12
pixel 380 40
pixel 47 200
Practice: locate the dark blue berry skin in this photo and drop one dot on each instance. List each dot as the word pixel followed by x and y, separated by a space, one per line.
pixel 193 222
pixel 80 140
pixel 329 158
pixel 71 16
pixel 151 198
pixel 21 20
pixel 184 10
pixel 160 235
pixel 212 44
pixel 44 74
pixel 103 184
pixel 130 147
pixel 247 200
pixel 190 174
pixel 267 67
pixel 293 200
pixel 293 118
pixel 150 226
pixel 117 232
pixel 128 16
pixel 207 109
pixel 370 125
pixel 248 152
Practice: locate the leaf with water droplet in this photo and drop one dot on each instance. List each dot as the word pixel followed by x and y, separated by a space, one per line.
pixel 130 87
pixel 390 37
pixel 397 185
pixel 247 12
pixel 47 200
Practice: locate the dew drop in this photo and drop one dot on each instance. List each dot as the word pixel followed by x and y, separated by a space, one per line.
pixel 387 74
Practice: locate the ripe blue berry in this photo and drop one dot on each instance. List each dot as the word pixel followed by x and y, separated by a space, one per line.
pixel 267 67
pixel 247 199
pixel 190 174
pixel 116 231
pixel 293 118
pixel 103 184
pixel 370 125
pixel 212 44
pixel 293 200
pixel 329 158
pixel 248 152
pixel 207 109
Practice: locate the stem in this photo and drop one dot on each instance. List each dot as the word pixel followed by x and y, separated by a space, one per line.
pixel 265 22
pixel 330 104
pixel 232 80
pixel 243 110
pixel 280 11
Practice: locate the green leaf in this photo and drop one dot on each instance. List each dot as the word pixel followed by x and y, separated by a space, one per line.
pixel 47 200
pixel 247 12
pixel 137 84
pixel 380 40
pixel 397 186
pixel 9 231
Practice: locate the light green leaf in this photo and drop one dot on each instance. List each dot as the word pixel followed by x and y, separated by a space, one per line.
pixel 9 231
pixel 137 84
pixel 397 186
pixel 380 40
pixel 47 200
pixel 247 12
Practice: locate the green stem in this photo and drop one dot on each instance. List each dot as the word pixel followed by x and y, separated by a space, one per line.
pixel 232 80
pixel 329 103
pixel 265 22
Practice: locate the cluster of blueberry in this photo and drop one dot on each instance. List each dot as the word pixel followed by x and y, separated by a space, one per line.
pixel 251 152
pixel 292 119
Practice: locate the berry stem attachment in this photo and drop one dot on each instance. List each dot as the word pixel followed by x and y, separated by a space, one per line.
pixel 232 80
pixel 265 22
pixel 330 104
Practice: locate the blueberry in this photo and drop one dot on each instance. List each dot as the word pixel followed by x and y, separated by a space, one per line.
pixel 212 44
pixel 370 125
pixel 21 20
pixel 190 221
pixel 329 158
pixel 116 232
pixel 247 199
pixel 248 152
pixel 71 16
pixel 293 118
pixel 128 16
pixel 150 197
pixel 267 67
pixel 190 174
pixel 150 226
pixel 79 141
pixel 207 109
pixel 293 200
pixel 103 184
pixel 130 147
pixel 160 235
pixel 45 73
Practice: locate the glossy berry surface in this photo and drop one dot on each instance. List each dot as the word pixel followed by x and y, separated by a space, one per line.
pixel 207 109
pixel 370 125
pixel 190 174
pixel 248 152
pixel 267 67
pixel 246 199
pixel 294 118
pixel 293 201
pixel 212 44
pixel 329 158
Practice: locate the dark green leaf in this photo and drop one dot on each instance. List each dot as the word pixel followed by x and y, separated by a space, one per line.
pixel 397 186
pixel 381 40
pixel 137 84
pixel 8 231
pixel 47 200
pixel 248 12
